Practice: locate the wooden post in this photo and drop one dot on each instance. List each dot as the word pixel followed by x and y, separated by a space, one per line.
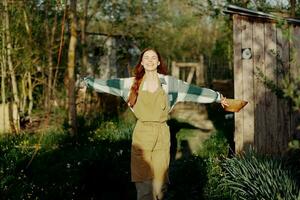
pixel 200 72
pixel 259 86
pixel 295 72
pixel 190 75
pixel 283 107
pixel 247 87
pixel 271 98
pixel 238 81
pixel 175 70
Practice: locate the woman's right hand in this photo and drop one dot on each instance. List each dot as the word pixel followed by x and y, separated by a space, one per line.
pixel 224 103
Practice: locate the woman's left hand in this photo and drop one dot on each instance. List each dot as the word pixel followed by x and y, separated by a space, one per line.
pixel 224 102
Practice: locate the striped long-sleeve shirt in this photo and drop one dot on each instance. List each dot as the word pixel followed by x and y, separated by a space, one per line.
pixel 176 89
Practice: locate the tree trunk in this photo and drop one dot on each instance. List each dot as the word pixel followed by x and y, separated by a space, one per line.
pixel 71 70
pixel 51 39
pixel 9 54
pixel 3 66
pixel 60 51
pixel 293 8
pixel 24 94
pixel 30 90
pixel 85 65
pixel 3 75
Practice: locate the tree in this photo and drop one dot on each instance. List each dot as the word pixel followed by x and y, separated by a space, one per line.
pixel 9 50
pixel 3 62
pixel 70 79
pixel 293 8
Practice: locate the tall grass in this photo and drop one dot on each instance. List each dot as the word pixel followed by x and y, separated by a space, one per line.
pixel 251 176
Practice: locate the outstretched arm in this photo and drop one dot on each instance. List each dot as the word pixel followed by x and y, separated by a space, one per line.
pixel 189 92
pixel 117 86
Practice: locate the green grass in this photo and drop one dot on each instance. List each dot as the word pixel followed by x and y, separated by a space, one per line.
pixel 95 164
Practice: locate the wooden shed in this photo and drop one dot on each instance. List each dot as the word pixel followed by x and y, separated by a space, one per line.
pixel 267 123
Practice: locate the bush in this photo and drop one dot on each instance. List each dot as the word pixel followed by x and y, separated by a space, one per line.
pixel 291 159
pixel 113 131
pixel 94 165
pixel 251 176
pixel 214 150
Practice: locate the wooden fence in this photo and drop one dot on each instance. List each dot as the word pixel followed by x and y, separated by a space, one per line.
pixel 189 71
pixel 267 123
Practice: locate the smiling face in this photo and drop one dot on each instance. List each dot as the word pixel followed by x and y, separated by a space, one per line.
pixel 150 60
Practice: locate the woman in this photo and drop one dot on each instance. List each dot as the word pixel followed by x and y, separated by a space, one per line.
pixel 151 95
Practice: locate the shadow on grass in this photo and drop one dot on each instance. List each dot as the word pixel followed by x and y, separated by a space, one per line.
pixel 175 127
pixel 188 176
pixel 222 123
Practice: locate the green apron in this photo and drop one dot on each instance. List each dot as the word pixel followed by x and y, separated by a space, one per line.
pixel 150 148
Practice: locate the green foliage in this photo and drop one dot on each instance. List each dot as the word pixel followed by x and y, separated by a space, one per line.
pixel 263 5
pixel 287 88
pixel 96 166
pixel 17 151
pixel 176 24
pixel 215 150
pixel 291 159
pixel 251 176
pixel 213 190
pixel 216 146
pixel 112 131
pixel 92 166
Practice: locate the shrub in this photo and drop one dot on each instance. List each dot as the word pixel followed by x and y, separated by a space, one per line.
pixel 113 131
pixel 214 150
pixel 251 176
pixel 94 165
pixel 291 159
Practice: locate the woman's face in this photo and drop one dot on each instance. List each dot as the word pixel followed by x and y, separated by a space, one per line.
pixel 150 60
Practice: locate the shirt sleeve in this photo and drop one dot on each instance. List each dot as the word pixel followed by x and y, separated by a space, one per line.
pixel 117 86
pixel 190 92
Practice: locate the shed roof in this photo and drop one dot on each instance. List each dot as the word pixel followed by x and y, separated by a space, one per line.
pixel 233 9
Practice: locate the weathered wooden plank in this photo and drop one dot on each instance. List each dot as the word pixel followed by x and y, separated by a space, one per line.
pixel 175 70
pixel 295 71
pixel 191 75
pixel 259 87
pixel 247 87
pixel 271 99
pixel 283 107
pixel 238 81
pixel 200 72
pixel 180 64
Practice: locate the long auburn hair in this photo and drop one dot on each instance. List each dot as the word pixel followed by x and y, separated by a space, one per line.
pixel 139 72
